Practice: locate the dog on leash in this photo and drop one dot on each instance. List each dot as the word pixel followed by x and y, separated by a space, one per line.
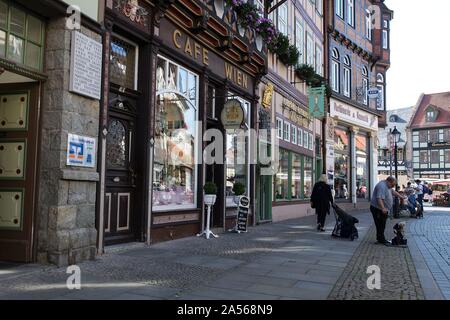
pixel 419 213
pixel 399 231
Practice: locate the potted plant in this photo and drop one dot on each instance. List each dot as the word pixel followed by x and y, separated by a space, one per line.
pixel 291 56
pixel 210 190
pixel 305 72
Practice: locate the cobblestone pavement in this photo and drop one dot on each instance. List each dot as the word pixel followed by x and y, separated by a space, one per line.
pixel 287 260
pixel 399 280
pixel 432 238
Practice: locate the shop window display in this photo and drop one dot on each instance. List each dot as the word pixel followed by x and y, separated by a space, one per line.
pixel 342 164
pixel 174 172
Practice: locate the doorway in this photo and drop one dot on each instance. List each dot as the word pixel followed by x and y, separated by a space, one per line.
pixel 18 153
pixel 121 177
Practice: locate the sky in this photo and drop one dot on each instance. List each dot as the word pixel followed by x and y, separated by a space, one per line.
pixel 420 51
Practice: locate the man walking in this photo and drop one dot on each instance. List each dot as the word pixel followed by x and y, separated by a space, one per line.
pixel 419 193
pixel 381 204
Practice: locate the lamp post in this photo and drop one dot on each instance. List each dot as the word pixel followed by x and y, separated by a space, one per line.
pixel 396 135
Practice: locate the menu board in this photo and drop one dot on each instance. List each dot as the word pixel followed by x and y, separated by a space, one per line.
pixel 242 218
pixel 85 66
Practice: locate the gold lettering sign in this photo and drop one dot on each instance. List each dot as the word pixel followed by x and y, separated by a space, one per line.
pixel 267 96
pixel 190 47
pixel 236 76
pixel 296 113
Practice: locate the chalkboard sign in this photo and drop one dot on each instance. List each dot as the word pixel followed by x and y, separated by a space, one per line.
pixel 242 218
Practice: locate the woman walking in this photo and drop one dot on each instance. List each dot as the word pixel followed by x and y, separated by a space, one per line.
pixel 320 200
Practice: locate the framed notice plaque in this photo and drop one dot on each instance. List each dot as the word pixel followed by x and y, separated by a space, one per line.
pixel 85 66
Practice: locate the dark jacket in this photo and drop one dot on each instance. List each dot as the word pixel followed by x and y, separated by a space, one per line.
pixel 322 197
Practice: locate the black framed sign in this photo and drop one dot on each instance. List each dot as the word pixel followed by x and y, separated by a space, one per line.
pixel 242 218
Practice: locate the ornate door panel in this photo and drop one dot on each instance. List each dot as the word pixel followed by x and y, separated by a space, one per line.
pixel 18 147
pixel 120 170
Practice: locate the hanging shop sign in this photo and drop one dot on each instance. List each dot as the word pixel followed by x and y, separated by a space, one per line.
pixel 267 96
pixel 85 66
pixel 242 218
pixel 81 151
pixel 316 102
pixel 353 115
pixel 373 92
pixel 232 114
pixel 296 114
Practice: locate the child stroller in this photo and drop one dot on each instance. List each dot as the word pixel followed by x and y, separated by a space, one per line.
pixel 345 224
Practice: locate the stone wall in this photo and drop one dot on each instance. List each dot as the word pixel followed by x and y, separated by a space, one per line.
pixel 66 213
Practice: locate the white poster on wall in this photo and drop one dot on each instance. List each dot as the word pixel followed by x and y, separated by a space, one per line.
pixel 85 66
pixel 330 162
pixel 81 151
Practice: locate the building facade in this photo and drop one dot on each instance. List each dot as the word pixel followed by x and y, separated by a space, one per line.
pixel 286 194
pixel 102 118
pixel 399 119
pixel 358 59
pixel 429 131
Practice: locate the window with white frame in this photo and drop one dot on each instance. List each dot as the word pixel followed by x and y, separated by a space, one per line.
pixel 300 39
pixel 300 136
pixel 385 39
pixel 310 142
pixel 335 71
pixel 368 25
pixel 309 50
pixel 340 8
pixel 279 128
pixel 351 12
pixel 347 77
pixel 287 131
pixel 319 6
pixel 283 18
pixel 319 60
pixel 294 134
pixel 365 85
pixel 260 5
pixel 305 139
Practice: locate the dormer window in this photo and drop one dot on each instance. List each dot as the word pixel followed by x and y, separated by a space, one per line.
pixel 431 114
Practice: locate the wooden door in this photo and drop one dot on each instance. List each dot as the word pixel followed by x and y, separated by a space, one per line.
pixel 121 175
pixel 18 149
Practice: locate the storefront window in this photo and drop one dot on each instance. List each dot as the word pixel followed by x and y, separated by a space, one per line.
pixel 174 172
pixel 342 163
pixel 307 184
pixel 282 176
pixel 237 157
pixel 362 167
pixel 296 174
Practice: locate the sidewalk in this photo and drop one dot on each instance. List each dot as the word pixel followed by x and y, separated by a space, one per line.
pixel 286 260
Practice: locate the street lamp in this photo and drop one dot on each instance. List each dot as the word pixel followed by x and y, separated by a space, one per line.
pixel 396 136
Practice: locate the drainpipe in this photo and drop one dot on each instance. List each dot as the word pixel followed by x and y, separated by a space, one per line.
pixel 101 165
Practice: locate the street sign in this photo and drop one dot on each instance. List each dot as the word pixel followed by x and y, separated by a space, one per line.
pixel 373 92
pixel 316 102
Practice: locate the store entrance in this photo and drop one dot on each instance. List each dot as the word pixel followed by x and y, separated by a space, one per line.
pixel 18 150
pixel 121 175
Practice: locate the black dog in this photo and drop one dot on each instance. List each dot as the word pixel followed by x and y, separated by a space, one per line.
pixel 399 239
